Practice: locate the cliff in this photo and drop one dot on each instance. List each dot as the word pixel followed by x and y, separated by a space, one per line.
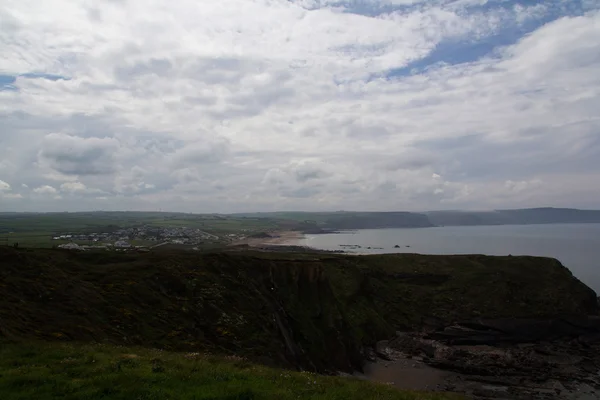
pixel 308 311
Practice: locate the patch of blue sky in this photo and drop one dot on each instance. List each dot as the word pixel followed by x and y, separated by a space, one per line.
pixel 7 82
pixel 374 8
pixel 467 50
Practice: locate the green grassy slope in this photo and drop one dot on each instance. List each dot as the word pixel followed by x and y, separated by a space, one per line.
pixel 74 371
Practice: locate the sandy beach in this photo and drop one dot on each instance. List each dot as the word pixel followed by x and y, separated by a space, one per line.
pixel 278 238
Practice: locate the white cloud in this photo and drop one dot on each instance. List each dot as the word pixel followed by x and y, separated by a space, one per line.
pixel 45 190
pixel 77 188
pixel 73 187
pixel 4 187
pixel 252 104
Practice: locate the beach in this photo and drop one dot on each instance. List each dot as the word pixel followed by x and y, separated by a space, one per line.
pixel 277 238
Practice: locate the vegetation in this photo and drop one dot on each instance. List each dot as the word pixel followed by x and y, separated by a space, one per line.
pixel 75 371
pixel 296 310
pixel 191 325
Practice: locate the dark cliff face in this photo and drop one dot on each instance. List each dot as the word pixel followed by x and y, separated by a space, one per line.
pixel 309 311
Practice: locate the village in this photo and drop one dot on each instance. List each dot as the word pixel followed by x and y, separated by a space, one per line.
pixel 143 239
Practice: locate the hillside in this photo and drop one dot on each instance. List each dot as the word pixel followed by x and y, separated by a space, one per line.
pixel 514 217
pixel 344 219
pixel 309 311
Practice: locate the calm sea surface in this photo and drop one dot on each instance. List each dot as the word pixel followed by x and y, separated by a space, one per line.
pixel 577 246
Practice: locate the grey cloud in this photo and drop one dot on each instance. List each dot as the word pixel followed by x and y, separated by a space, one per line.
pixel 263 97
pixel 201 100
pixel 207 151
pixel 219 70
pixel 158 67
pixel 94 14
pixel 72 155
pixel 308 172
pixel 538 151
pixel 409 160
pixel 363 131
pixel 301 193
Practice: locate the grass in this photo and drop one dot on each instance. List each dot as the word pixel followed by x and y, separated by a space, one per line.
pixel 45 371
pixel 30 239
pixel 48 224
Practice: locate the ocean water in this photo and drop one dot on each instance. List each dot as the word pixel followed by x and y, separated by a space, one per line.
pixel 577 246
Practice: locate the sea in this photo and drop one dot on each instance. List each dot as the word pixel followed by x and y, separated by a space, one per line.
pixel 577 246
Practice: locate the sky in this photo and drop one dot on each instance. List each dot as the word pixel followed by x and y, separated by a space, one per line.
pixel 263 105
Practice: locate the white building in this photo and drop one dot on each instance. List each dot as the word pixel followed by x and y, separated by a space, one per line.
pixel 122 244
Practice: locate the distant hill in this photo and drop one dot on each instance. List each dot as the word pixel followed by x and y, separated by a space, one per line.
pixel 312 221
pixel 344 219
pixel 546 215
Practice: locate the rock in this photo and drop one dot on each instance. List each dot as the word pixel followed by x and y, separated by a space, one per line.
pixel 517 330
pixel 486 359
pixel 370 354
pixel 382 350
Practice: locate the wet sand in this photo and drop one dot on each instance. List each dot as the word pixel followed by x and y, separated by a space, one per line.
pixel 406 374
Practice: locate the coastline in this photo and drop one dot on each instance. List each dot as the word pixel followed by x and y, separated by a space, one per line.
pixel 277 238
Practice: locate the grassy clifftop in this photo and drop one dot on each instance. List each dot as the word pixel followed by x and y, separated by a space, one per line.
pixel 73 372
pixel 312 311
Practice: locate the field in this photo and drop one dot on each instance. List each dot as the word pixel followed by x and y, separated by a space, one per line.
pixel 36 230
pixel 74 371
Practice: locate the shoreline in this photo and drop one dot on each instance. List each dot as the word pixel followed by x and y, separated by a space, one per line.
pixel 277 238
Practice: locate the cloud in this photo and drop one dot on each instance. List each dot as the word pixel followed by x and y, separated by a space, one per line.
pixel 201 152
pixel 78 188
pixel 253 105
pixel 73 155
pixel 4 187
pixel 133 181
pixel 45 190
pixel 12 196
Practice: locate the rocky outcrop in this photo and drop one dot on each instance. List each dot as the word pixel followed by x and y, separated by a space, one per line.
pixel 510 358
pixel 496 332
